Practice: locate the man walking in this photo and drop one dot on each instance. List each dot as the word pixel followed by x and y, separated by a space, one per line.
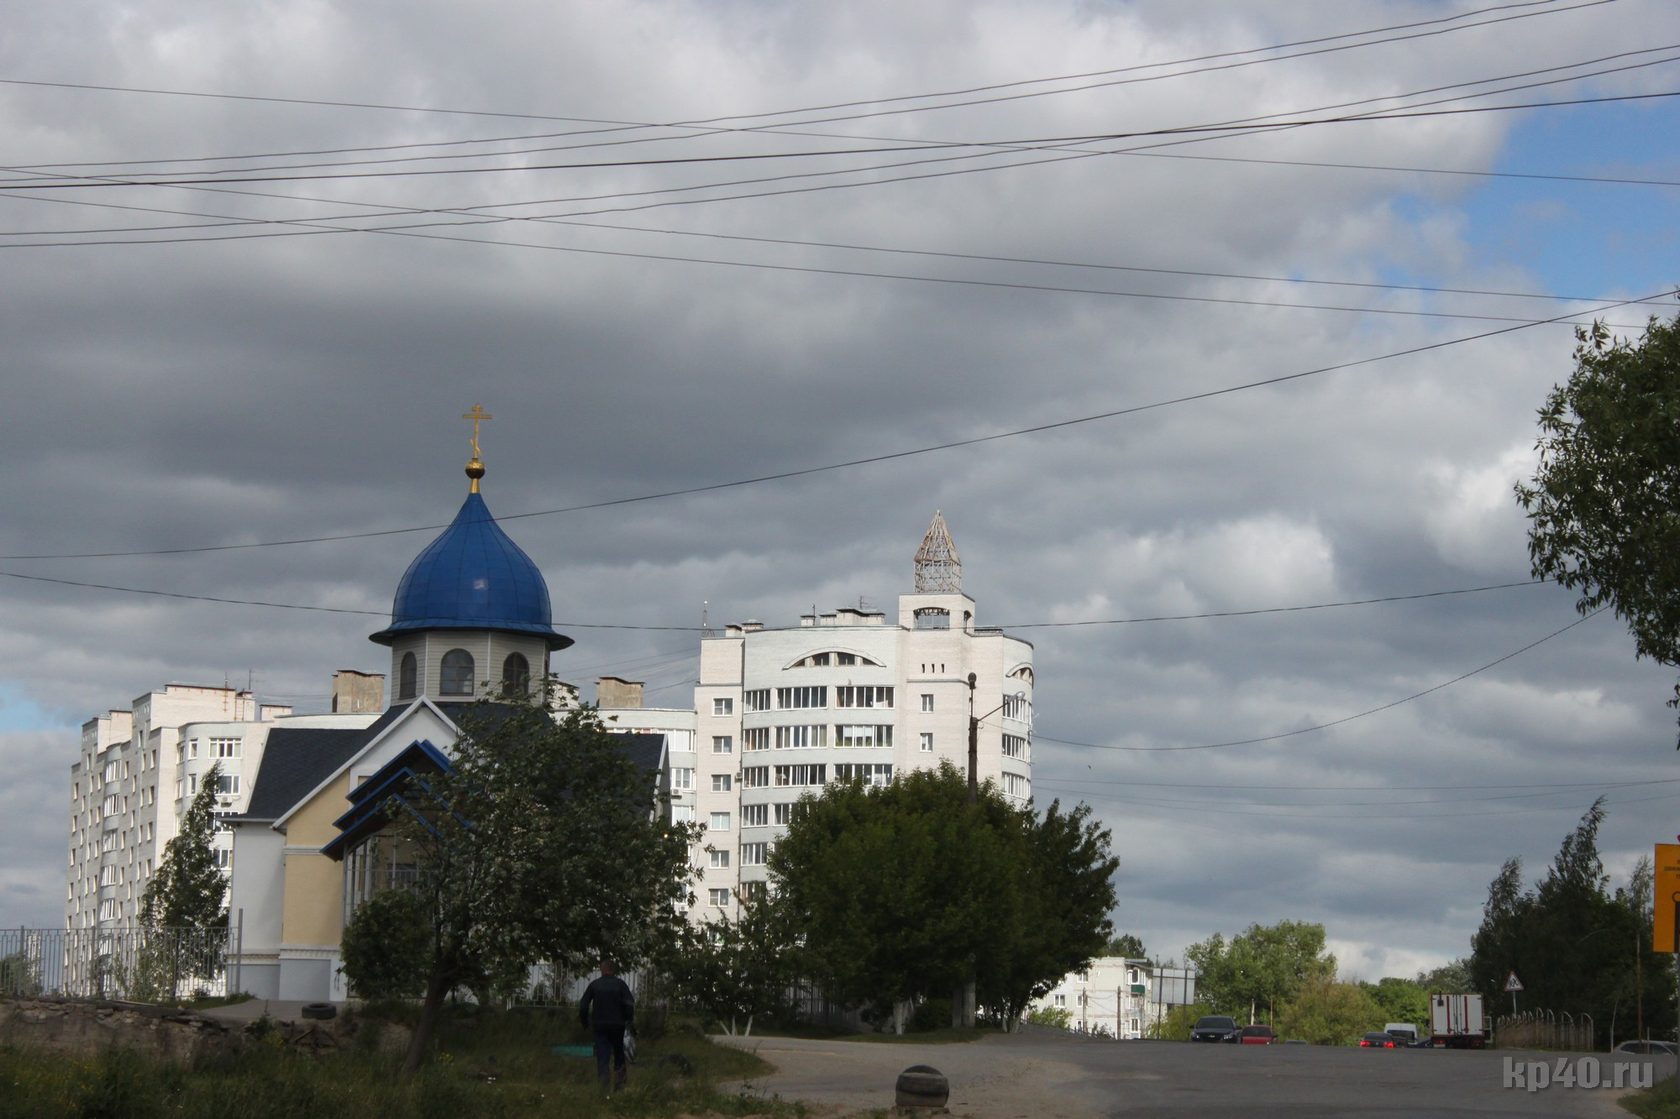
pixel 614 1009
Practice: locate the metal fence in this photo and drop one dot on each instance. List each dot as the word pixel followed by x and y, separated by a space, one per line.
pixel 1545 1029
pixel 139 964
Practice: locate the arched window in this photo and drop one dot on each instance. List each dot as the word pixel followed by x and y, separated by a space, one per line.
pixel 516 674
pixel 405 677
pixel 457 678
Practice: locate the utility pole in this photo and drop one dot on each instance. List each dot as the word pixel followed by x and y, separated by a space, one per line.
pixel 973 744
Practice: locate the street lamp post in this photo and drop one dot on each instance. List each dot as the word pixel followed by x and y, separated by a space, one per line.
pixel 974 722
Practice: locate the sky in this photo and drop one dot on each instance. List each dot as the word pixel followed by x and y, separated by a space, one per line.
pixel 752 290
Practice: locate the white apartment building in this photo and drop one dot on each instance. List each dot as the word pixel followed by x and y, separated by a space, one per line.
pixel 779 713
pixel 1108 999
pixel 139 769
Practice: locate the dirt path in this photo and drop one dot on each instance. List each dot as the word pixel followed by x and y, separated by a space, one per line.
pixel 996 1077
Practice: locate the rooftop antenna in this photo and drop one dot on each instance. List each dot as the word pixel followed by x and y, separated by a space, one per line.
pixel 705 618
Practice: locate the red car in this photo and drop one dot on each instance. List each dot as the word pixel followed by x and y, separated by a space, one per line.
pixel 1379 1040
pixel 1257 1035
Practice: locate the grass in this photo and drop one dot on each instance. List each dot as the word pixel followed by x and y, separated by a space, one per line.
pixel 1660 1101
pixel 496 1065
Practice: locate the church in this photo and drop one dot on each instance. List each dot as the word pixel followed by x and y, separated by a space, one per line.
pixel 778 712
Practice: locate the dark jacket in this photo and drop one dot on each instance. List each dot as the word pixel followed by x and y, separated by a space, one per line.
pixel 615 1006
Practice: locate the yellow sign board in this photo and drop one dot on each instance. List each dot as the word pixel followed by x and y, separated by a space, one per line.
pixel 1665 905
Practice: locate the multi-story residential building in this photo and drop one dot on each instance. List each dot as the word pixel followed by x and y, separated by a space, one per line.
pixel 139 769
pixel 1110 998
pixel 853 694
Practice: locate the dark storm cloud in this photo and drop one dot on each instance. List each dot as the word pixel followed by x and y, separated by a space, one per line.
pixel 176 395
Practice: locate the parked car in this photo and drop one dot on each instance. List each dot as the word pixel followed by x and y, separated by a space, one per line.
pixel 1214 1027
pixel 1662 1048
pixel 1377 1039
pixel 1257 1035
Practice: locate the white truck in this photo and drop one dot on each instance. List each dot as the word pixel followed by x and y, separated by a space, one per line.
pixel 1456 1022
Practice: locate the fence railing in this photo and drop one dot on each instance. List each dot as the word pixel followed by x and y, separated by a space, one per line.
pixel 1544 1029
pixel 145 965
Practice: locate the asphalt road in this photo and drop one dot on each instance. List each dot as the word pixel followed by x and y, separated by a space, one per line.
pixel 1059 1076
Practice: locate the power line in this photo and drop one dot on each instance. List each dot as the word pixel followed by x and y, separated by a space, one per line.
pixel 86 585
pixel 1271 610
pixel 1333 722
pixel 1222 131
pixel 709 125
pixel 716 487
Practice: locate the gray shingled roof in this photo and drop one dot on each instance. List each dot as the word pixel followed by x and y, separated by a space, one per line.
pixel 296 760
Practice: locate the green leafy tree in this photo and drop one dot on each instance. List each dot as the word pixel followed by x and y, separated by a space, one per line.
pixel 1052 1017
pixel 1264 966
pixel 1399 1000
pixel 908 891
pixel 1449 977
pixel 386 946
pixel 541 842
pixel 1325 1012
pixel 1604 503
pixel 20 975
pixel 184 906
pixel 1176 1024
pixel 1126 945
pixel 1576 946
pixel 738 970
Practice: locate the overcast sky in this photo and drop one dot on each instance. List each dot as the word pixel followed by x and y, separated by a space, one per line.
pixel 1295 365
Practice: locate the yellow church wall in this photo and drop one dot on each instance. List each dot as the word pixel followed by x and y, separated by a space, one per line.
pixel 314 907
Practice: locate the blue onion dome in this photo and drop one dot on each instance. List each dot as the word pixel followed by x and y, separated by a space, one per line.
pixel 473 576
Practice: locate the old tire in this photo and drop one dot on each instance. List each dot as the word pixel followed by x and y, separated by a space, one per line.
pixel 319 1010
pixel 922 1086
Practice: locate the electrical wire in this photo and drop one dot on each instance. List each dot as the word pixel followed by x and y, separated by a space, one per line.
pixel 1460 678
pixel 802 472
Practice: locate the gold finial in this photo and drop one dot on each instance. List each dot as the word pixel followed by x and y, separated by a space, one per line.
pixel 475 468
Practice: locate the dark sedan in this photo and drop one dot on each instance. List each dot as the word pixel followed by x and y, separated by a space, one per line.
pixel 1377 1039
pixel 1215 1027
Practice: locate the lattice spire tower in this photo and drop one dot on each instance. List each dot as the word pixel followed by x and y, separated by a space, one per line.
pixel 938 567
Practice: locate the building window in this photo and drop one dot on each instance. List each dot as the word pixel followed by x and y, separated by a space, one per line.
pixel 225 747
pixel 720 821
pixel 753 854
pixel 1016 786
pixel 863 736
pixel 927 742
pixel 754 815
pixel 793 699
pixel 227 784
pixel 863 695
pixel 723 705
pixel 1061 1000
pixel 406 674
pixel 927 701
pixel 755 738
pixel 516 674
pixel 1017 707
pixel 799 775
pixel 682 813
pixel 756 699
pixel 784 813
pixel 457 676
pixel 718 897
pixel 682 777
pixel 721 782
pixel 933 617
pixel 719 860
pixel 870 773
pixel 722 744
pixel 1014 746
pixel 755 777
pixel 806 737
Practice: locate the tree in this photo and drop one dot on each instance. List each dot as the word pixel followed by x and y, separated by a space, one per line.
pixel 1126 945
pixel 1265 965
pixel 907 891
pixel 735 970
pixel 1399 1000
pixel 1450 977
pixel 184 906
pixel 1604 504
pixel 541 841
pixel 1325 1012
pixel 1576 946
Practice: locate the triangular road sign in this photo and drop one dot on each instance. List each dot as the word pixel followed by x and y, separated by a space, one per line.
pixel 1512 983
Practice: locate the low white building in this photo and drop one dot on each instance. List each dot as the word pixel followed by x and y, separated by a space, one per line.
pixel 1108 999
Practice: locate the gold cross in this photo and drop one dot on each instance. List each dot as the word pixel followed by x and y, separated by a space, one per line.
pixel 477 415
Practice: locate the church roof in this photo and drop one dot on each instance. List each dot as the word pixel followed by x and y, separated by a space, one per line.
pixel 473 576
pixel 297 759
